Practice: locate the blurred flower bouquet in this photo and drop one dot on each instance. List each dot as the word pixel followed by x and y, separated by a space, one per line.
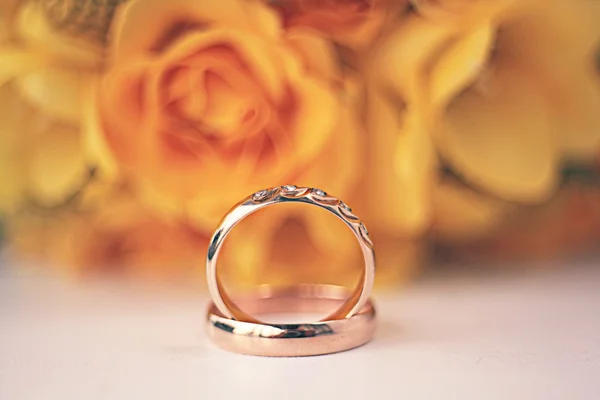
pixel 129 127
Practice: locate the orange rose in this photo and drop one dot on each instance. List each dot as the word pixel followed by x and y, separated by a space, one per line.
pixel 215 101
pixel 111 233
pixel 353 23
pixel 7 7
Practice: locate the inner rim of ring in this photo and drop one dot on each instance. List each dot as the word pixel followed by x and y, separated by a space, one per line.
pixel 347 303
pixel 293 299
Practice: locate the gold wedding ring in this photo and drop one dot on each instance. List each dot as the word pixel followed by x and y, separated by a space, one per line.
pixel 232 324
pixel 292 340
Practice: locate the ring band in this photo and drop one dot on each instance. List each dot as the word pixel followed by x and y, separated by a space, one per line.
pixel 290 194
pixel 292 340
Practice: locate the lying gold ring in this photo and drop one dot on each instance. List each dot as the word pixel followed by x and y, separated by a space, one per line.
pixel 290 194
pixel 292 340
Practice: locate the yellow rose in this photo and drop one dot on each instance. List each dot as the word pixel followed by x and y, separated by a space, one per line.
pixel 501 97
pixel 353 23
pixel 45 79
pixel 215 102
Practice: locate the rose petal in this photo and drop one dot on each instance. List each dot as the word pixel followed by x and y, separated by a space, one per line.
pixel 16 62
pixel 260 59
pixel 461 213
pixel 58 165
pixel 4 27
pixel 350 24
pixel 32 26
pixel 57 92
pixel 579 120
pixel 415 166
pixel 97 150
pixel 133 39
pixel 124 106
pixel 317 112
pixel 13 145
pixel 501 139
pixel 401 60
pixel 556 43
pixel 317 53
pixel 263 19
pixel 225 106
pixel 401 166
pixel 460 64
pixel 217 74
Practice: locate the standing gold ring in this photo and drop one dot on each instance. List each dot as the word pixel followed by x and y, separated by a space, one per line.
pixel 355 302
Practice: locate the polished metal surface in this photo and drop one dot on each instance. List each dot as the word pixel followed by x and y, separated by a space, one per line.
pixel 292 340
pixel 290 194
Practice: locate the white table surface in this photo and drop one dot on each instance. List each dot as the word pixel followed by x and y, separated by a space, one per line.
pixel 532 335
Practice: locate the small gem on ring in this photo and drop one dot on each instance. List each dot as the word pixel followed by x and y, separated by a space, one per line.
pixel 345 206
pixel 260 195
pixel 319 192
pixel 289 188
